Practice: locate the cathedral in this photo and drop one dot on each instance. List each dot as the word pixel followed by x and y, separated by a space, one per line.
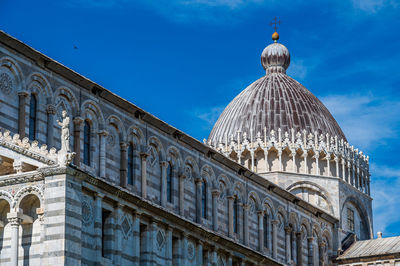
pixel 88 178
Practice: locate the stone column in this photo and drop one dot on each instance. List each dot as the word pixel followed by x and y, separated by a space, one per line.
pixel 294 161
pixel 199 255
pixel 198 182
pixel 123 164
pixel 215 195
pixel 310 251
pixel 143 158
pixel 184 249
pixel 261 229
pixel 321 253
pixel 274 238
pixel 230 214
pixel 352 173
pixel 136 239
pixel 21 113
pixel 337 166
pixel 280 159
pixel 344 171
pixel 246 208
pixel 252 160
pixel 77 140
pixel 229 260
pixel 102 134
pixel 15 219
pixel 98 226
pixel 328 163
pixel 169 246
pixel 51 111
pixel 266 160
pixel 163 196
pixel 288 231
pixel 316 156
pixel 118 234
pixel 305 155
pixel 299 246
pixel 182 194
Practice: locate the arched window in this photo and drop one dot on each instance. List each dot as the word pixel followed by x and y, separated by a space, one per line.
pixel 32 117
pixel 86 143
pixel 169 182
pixel 130 164
pixel 235 215
pixel 204 200
pixel 266 229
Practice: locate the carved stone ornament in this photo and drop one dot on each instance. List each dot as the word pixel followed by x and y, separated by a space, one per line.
pixel 160 239
pixel 65 157
pixel 191 251
pixel 87 212
pixel 6 85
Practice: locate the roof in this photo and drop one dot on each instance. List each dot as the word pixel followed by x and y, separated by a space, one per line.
pixel 372 248
pixel 273 102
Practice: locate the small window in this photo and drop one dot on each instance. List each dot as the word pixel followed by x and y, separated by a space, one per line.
pixel 204 200
pixel 169 182
pixel 350 219
pixel 106 231
pixel 130 169
pixel 235 215
pixel 86 143
pixel 32 117
pixel 266 237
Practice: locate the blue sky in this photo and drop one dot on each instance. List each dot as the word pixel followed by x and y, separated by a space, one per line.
pixel 184 60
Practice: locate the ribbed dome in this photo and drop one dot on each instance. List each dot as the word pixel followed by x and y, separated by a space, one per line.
pixel 272 102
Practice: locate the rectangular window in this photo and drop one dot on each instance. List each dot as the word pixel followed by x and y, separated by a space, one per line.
pixel 350 219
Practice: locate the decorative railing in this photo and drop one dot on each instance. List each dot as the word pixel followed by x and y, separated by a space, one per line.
pixel 342 160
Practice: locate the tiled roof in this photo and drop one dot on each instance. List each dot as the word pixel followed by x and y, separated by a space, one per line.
pixel 373 247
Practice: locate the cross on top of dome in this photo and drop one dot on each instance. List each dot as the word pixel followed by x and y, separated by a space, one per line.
pixel 274 23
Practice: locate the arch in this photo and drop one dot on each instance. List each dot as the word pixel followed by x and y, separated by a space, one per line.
pixel 316 229
pixel 135 135
pixel 294 221
pixel 115 121
pixel 90 107
pixel 363 212
pixel 306 223
pixel 328 235
pixel 324 194
pixel 283 213
pixel 156 143
pixel 174 156
pixel 65 99
pixel 191 169
pixel 37 80
pixel 268 205
pixel 8 197
pixel 15 69
pixel 27 191
pixel 207 173
pixel 238 191
pixel 254 196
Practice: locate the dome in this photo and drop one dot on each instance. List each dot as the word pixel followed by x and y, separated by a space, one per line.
pixel 275 101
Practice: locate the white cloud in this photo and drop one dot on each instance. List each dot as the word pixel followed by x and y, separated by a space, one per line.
pixel 370 6
pixel 367 121
pixel 208 115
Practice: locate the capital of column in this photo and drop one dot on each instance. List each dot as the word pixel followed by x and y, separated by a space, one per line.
pixel 215 193
pixel 51 109
pixel 310 239
pixel 78 120
pixel 198 180
pixel 274 222
pixel 123 145
pixel 164 164
pixel 15 218
pixel 23 94
pixel 102 133
pixel 231 197
pixel 260 213
pixel 298 234
pixel 322 244
pixel 246 207
pixel 144 155
pixel 288 230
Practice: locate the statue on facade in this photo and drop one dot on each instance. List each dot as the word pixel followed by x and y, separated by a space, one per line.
pixel 64 155
pixel 64 131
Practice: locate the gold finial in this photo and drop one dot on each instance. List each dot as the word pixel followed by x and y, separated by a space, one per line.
pixel 275 22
